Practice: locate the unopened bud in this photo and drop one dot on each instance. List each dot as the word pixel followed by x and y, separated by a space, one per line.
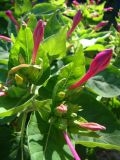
pixel 18 79
pixel 61 109
pixel 92 126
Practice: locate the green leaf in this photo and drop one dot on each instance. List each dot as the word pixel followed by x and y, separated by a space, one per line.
pixel 22 6
pixel 55 45
pixel 23 46
pixel 43 140
pixel 107 83
pixel 53 23
pixel 43 9
pixel 44 108
pixel 6 112
pixel 74 70
pixel 94 111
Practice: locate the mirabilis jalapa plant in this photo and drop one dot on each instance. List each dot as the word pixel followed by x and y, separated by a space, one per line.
pixel 25 77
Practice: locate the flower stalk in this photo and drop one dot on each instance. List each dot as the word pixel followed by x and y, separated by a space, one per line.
pixel 76 156
pixel 7 39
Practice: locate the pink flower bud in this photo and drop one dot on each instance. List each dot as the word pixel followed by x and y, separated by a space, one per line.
pixel 5 38
pixel 75 3
pixel 12 18
pixel 70 145
pixel 99 63
pixel 2 93
pixel 118 27
pixel 62 108
pixel 38 37
pixel 92 126
pixel 108 9
pixel 91 1
pixel 76 19
pixel 100 25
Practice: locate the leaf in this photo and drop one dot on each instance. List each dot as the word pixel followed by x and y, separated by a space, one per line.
pixel 22 6
pixel 44 108
pixel 55 45
pixel 107 83
pixel 94 111
pixel 53 23
pixel 23 46
pixel 43 9
pixel 74 70
pixel 5 112
pixel 43 141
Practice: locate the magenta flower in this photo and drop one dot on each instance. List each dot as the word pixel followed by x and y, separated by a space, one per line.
pixel 76 19
pixel 99 63
pixel 12 18
pixel 38 37
pixel 100 25
pixel 5 38
pixel 76 156
pixel 108 9
pixel 62 108
pixel 92 126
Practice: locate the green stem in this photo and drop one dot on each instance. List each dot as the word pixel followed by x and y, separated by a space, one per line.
pixel 22 134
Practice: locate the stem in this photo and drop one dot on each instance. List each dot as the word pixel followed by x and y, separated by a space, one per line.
pixel 22 134
pixel 70 145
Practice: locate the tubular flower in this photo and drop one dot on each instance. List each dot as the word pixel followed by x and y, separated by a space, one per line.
pixel 37 37
pixel 92 126
pixel 108 9
pixel 100 25
pixel 5 38
pixel 76 156
pixel 99 63
pixel 76 19
pixel 12 18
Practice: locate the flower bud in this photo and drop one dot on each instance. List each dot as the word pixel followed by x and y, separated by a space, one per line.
pixel 2 93
pixel 100 25
pixel 38 37
pixel 75 3
pixel 18 79
pixel 61 109
pixel 92 126
pixel 108 9
pixel 99 63
pixel 76 19
pixel 12 18
pixel 118 27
